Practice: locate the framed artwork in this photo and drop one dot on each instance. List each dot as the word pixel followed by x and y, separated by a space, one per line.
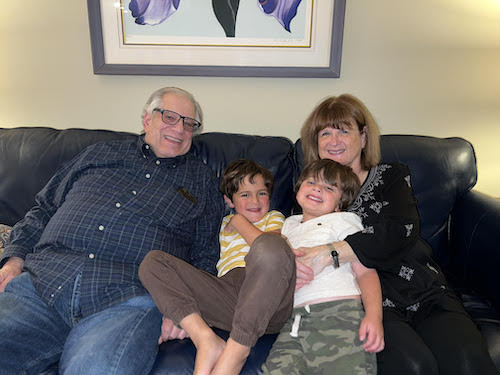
pixel 228 38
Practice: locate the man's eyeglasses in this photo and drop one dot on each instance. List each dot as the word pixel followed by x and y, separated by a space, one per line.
pixel 172 118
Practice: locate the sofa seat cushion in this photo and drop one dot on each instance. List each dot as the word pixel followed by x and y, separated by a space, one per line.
pixel 177 356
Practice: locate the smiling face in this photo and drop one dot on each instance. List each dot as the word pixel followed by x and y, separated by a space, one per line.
pixel 342 145
pixel 168 141
pixel 251 200
pixel 317 197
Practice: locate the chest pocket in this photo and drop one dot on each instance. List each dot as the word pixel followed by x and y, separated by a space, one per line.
pixel 172 207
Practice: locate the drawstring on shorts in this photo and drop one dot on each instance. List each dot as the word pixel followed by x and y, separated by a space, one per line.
pixel 296 322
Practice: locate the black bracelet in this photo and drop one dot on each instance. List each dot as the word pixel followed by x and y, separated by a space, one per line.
pixel 335 255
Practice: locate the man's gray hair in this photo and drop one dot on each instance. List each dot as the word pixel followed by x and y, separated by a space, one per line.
pixel 156 101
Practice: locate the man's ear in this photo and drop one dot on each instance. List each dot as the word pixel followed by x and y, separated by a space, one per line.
pixel 146 121
pixel 228 201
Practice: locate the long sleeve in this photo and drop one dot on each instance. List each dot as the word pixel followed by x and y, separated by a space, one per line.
pixel 391 223
pixel 105 210
pixel 390 241
pixel 28 231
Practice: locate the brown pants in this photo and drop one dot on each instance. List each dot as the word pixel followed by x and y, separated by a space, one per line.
pixel 247 301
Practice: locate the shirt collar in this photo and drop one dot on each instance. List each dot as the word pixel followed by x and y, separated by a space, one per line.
pixel 147 153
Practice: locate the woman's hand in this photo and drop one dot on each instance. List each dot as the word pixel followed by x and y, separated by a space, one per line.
pixel 304 274
pixel 316 258
pixel 309 262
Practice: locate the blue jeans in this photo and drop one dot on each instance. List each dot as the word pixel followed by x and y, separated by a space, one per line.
pixel 122 339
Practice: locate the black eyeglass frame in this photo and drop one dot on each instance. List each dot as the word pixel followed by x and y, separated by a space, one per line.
pixel 196 123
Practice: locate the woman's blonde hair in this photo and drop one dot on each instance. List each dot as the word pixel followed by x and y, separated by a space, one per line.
pixel 338 112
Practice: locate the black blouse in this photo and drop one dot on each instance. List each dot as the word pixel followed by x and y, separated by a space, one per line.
pixel 391 241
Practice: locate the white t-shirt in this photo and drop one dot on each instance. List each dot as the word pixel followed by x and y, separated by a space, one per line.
pixel 331 282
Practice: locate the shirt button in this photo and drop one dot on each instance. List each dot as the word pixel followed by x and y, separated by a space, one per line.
pixel 147 147
pixel 52 295
pixel 101 227
pixel 134 192
pixel 118 205
pixel 91 256
pixel 148 175
pixel 158 162
pixel 59 287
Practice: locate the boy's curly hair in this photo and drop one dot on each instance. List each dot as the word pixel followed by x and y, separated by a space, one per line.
pixel 237 170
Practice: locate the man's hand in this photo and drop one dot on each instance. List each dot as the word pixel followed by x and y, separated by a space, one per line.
pixel 12 268
pixel 169 331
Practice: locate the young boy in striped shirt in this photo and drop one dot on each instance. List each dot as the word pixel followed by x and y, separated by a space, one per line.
pixel 253 291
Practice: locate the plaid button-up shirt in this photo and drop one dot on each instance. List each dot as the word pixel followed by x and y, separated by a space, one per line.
pixel 105 210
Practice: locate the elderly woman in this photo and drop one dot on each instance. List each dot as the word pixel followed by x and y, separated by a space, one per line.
pixel 427 330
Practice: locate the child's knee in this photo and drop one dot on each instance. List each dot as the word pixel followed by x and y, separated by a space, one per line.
pixel 270 250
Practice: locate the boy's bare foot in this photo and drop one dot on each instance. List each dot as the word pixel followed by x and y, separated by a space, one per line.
pixel 209 346
pixel 232 359
pixel 208 352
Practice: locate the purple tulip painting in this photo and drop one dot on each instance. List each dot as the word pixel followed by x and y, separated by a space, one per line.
pixel 282 10
pixel 154 12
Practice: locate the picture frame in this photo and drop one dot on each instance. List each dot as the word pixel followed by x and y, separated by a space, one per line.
pixel 112 57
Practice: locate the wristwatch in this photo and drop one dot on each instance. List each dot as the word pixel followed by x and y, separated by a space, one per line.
pixel 334 254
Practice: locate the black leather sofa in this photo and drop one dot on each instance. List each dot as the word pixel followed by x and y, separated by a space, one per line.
pixel 458 222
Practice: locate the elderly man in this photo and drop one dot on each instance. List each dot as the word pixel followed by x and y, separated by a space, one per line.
pixel 79 300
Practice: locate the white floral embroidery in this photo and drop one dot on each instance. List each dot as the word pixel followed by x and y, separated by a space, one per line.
pixel 388 303
pixel 377 206
pixel 368 230
pixel 366 193
pixel 409 228
pixel 406 272
pixel 361 212
pixel 414 307
pixel 407 178
pixel 432 268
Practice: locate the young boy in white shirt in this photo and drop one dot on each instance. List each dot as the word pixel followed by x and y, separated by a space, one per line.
pixel 329 332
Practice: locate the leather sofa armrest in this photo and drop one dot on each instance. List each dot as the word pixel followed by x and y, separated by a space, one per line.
pixel 475 244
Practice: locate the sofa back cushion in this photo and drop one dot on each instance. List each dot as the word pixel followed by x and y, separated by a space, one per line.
pixel 274 153
pixel 30 156
pixel 442 169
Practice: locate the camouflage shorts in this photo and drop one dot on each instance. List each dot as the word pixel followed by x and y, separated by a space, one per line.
pixel 327 343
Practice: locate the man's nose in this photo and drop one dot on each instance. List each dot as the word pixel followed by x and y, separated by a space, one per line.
pixel 179 127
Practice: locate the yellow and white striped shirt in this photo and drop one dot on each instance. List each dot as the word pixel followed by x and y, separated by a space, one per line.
pixel 233 247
